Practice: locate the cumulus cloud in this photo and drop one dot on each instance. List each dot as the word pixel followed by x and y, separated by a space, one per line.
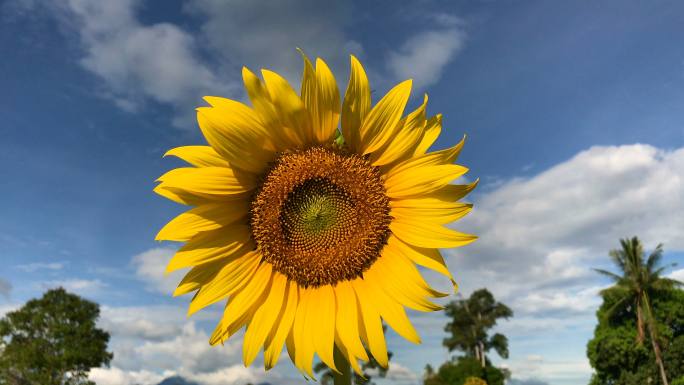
pixel 35 266
pixel 264 33
pixel 116 376
pixel 154 342
pixel 400 373
pixel 536 367
pixel 150 266
pixel 541 236
pixel 138 62
pixel 76 285
pixel 169 64
pixel 424 56
pixel 678 275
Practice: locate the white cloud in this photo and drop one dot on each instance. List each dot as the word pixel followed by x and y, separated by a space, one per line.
pixel 153 323
pixel 116 376
pixel 150 266
pixel 536 366
pixel 31 267
pixel 541 236
pixel 165 63
pixel 262 33
pixel 76 285
pixel 678 275
pixel 423 56
pixel 137 62
pixel 546 232
pixel 154 342
pixel 400 373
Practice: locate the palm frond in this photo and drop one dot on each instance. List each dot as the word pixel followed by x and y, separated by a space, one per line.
pixel 655 257
pixel 610 274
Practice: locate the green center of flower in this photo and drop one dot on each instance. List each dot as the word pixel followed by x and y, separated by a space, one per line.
pixel 317 214
pixel 320 216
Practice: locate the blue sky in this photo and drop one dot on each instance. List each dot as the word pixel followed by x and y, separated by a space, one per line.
pixel 574 113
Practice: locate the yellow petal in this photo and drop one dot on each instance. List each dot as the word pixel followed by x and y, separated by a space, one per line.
pixel 357 101
pixel 432 235
pixel 186 198
pixel 328 100
pixel 250 295
pixel 427 257
pixel 371 330
pixel 198 156
pixel 208 182
pixel 264 318
pixel 321 323
pixel 432 129
pixel 441 212
pixel 401 145
pixel 198 276
pixel 349 356
pixel 289 107
pixel 203 218
pixel 242 306
pixel 232 277
pixel 321 98
pixel 212 245
pixel 405 292
pixel 401 266
pixel 452 192
pixel 234 131
pixel 299 343
pixel 437 158
pixel 281 328
pixel 389 309
pixel 419 180
pixel 308 89
pixel 381 122
pixel 348 319
pixel 261 101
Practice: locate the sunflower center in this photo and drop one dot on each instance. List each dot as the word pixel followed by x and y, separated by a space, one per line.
pixel 320 216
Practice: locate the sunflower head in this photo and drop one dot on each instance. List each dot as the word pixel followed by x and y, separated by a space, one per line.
pixel 309 215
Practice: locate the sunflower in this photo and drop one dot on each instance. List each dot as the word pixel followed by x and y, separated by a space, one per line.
pixel 313 233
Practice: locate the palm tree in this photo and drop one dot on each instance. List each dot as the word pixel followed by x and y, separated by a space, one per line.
pixel 638 279
pixel 471 320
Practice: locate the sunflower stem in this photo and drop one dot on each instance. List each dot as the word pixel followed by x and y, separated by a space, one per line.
pixel 344 377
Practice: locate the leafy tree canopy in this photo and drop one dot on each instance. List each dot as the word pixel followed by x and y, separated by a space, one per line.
pixel 52 340
pixel 471 320
pixel 616 357
pixel 458 371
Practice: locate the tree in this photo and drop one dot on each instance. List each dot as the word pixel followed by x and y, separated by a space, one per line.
pixel 459 370
pixel 52 340
pixel 471 319
pixel 638 281
pixel 613 353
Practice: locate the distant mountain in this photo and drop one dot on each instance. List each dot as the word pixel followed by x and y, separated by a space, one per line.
pixel 177 380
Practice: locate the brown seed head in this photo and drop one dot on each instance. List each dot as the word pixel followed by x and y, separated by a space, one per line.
pixel 320 216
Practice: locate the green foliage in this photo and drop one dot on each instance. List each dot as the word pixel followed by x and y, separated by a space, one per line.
pixel 474 381
pixel 679 381
pixel 471 319
pixel 457 373
pixel 616 356
pixel 52 340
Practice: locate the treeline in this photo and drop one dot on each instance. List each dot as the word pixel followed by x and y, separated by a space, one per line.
pixel 639 339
